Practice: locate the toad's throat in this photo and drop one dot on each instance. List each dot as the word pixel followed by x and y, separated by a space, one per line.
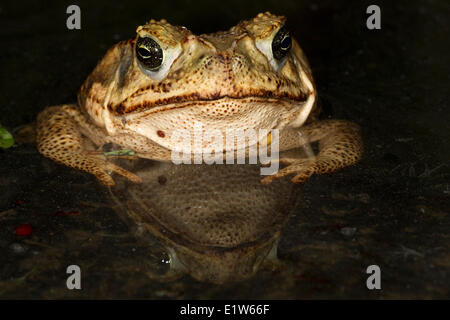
pixel 210 122
pixel 182 101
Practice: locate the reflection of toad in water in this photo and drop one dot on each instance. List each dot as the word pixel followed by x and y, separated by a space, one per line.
pixel 218 222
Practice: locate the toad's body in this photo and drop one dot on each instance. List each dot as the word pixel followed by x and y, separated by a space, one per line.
pixel 253 76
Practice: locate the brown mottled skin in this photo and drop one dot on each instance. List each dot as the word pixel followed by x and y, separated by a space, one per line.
pixel 224 80
pixel 214 232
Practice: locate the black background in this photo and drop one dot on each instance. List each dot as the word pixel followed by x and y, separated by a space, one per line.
pixel 393 82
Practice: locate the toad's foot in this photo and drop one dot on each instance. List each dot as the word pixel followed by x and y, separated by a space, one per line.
pixel 340 145
pixel 59 138
pixel 302 168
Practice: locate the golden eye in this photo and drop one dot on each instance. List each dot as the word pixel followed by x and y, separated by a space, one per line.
pixel 149 53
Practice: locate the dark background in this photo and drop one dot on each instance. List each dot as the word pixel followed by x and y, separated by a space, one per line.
pixel 393 82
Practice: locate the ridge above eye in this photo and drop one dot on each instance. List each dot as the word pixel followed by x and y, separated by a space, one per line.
pixel 149 53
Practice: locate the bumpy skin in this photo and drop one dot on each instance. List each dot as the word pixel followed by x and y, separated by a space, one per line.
pixel 214 232
pixel 225 80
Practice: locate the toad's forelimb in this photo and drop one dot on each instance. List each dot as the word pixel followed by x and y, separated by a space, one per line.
pixel 60 139
pixel 340 145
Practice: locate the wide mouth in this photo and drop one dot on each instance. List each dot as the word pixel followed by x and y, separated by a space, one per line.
pixel 184 101
pixel 220 265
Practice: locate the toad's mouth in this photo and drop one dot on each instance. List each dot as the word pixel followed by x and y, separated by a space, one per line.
pixel 188 100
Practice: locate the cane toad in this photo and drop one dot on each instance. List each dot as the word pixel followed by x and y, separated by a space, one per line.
pixel 253 76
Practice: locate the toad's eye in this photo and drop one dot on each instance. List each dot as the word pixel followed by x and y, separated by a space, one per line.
pixel 149 53
pixel 281 43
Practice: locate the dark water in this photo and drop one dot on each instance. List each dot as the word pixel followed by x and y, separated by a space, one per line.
pixel 392 209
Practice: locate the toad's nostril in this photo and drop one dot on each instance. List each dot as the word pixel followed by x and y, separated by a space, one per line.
pixel 221 58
